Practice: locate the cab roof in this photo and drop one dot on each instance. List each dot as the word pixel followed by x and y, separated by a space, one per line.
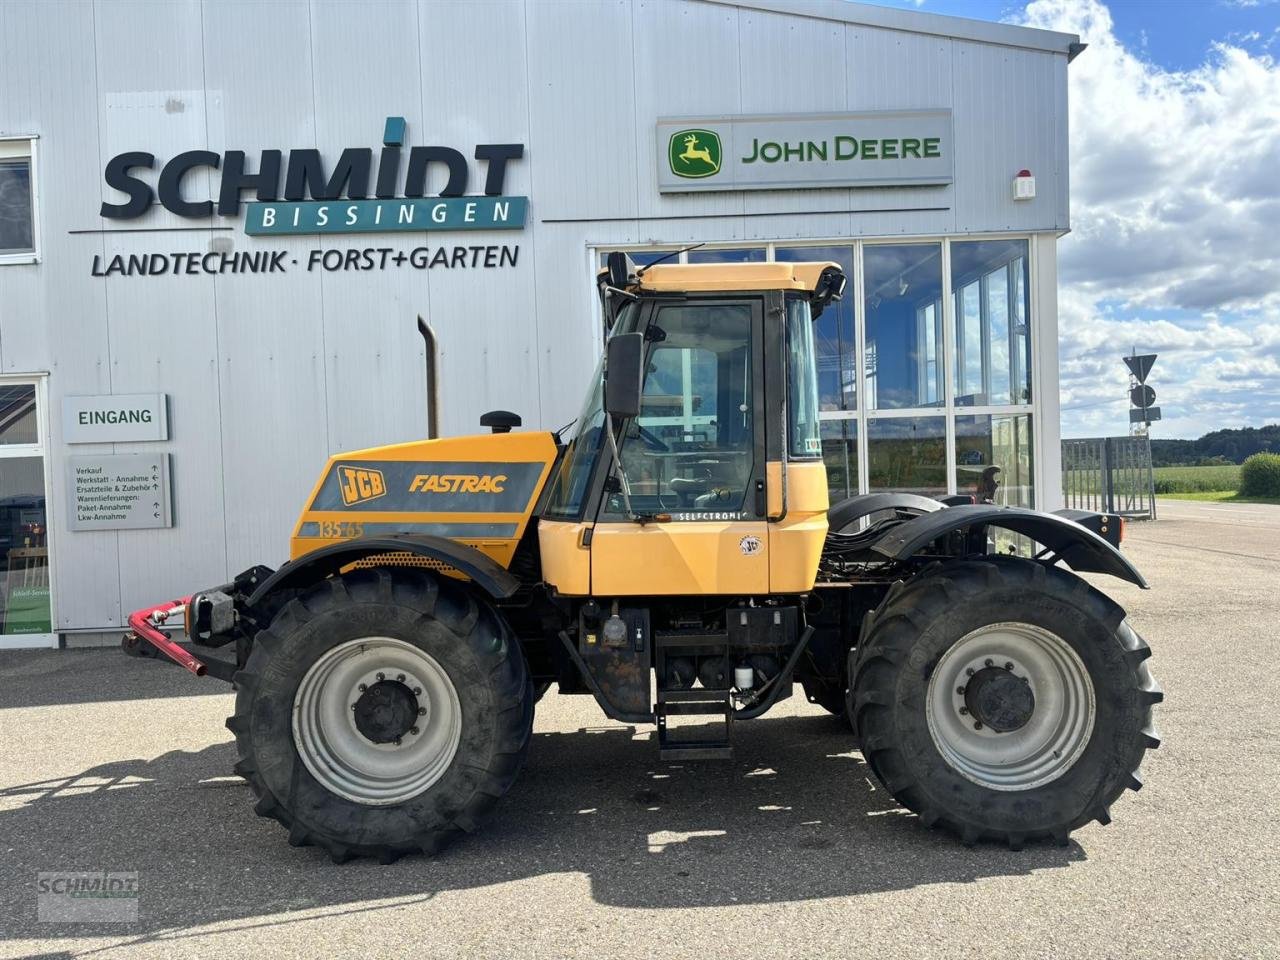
pixel 701 277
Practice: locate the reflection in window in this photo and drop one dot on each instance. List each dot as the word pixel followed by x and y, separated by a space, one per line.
pixel 18 414
pixel 903 288
pixel 17 224
pixel 833 331
pixel 840 454
pixel 907 454
pixel 989 281
pixel 993 459
pixel 747 255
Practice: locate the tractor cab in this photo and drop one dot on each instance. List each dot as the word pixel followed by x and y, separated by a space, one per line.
pixel 696 459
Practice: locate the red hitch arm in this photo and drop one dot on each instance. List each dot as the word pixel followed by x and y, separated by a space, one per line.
pixel 146 624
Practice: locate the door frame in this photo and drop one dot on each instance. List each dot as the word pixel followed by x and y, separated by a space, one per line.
pixel 39 449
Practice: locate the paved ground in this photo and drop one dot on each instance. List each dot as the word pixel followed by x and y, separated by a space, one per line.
pixel 601 851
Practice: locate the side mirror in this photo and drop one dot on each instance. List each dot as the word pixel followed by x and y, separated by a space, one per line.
pixel 623 374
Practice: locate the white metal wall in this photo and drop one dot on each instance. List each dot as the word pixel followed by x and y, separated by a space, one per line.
pixel 269 374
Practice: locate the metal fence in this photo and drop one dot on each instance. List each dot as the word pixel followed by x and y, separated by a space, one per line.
pixel 1109 475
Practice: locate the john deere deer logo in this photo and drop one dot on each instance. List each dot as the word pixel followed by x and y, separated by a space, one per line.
pixel 694 153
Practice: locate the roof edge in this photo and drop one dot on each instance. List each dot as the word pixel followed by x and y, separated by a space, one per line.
pixel 914 21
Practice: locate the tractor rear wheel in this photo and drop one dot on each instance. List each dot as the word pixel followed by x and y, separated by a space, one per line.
pixel 382 713
pixel 1002 699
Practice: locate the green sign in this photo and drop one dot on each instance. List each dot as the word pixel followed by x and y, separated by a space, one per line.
pixel 694 154
pixel 404 215
pixel 26 610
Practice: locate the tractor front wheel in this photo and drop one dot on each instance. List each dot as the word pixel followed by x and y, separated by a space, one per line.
pixel 382 713
pixel 1002 699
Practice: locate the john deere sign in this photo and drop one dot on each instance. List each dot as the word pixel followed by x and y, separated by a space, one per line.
pixel 797 151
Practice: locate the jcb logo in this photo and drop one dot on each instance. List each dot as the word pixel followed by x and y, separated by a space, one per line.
pixel 359 484
pixel 457 483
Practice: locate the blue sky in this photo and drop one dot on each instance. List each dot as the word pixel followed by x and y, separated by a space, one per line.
pixel 1175 179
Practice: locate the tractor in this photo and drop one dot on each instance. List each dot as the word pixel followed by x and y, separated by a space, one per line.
pixel 673 554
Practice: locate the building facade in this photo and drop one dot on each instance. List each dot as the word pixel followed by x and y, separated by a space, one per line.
pixel 221 221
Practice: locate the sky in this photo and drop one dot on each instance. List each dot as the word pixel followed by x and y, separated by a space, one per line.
pixel 1175 207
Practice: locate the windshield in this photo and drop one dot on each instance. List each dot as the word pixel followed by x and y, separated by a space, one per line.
pixel 569 486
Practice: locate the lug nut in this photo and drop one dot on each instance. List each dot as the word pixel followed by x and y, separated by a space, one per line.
pixel 977 724
pixel 397 741
pixel 382 676
pixel 414 731
pixel 363 688
pixel 969 671
pixel 422 711
pixel 400 677
pixel 1008 664
pixel 960 690
pixel 964 711
pixel 354 706
pixel 417 691
pixel 987 662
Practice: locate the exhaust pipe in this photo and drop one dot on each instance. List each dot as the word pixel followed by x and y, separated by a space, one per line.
pixel 433 383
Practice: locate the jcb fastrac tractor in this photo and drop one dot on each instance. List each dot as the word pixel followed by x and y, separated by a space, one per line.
pixel 673 553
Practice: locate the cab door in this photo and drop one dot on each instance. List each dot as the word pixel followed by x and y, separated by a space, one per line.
pixel 694 459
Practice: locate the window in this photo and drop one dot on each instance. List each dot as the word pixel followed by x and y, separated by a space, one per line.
pixel 802 384
pixel 993 459
pixel 746 255
pixel 692 448
pixel 833 332
pixel 908 454
pixel 993 346
pixel 25 600
pixel 19 230
pixel 903 282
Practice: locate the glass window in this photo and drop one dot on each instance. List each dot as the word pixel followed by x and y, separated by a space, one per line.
pixel 902 286
pixel 24 547
pixel 744 255
pixel 840 454
pixel 802 385
pixel 833 331
pixel 17 201
pixel 993 459
pixel 907 454
pixel 692 449
pixel 990 283
pixel 18 414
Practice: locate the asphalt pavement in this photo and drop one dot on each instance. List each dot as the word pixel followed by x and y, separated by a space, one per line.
pixel 600 850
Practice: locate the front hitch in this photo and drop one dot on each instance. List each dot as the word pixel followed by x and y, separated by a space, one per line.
pixel 145 626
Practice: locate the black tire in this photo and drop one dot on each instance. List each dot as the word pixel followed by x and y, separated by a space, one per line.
pixel 483 662
pixel 828 696
pixel 901 645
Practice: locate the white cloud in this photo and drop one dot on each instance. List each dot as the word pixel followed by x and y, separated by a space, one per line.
pixel 1175 249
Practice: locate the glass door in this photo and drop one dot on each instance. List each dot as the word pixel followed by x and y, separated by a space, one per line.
pixel 26 600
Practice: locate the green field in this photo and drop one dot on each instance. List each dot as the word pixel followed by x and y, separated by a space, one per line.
pixel 1215 479
pixel 1217 484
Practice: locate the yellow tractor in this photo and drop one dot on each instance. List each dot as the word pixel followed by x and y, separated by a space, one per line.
pixel 672 554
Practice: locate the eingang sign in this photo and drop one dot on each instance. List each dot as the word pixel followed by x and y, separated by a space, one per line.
pixel 800 151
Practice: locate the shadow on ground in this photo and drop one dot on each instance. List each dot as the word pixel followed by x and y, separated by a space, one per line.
pixel 42 678
pixel 794 816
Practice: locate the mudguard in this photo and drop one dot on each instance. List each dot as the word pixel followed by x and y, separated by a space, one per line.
pixel 484 571
pixel 1081 549
pixel 853 509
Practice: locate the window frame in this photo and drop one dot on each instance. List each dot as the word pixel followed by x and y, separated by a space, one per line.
pixel 25 146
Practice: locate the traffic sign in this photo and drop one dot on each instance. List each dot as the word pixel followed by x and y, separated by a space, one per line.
pixel 1140 365
pixel 1149 415
pixel 1142 395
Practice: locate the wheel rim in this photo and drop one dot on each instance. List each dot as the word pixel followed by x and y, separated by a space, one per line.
pixel 361 689
pixel 997 736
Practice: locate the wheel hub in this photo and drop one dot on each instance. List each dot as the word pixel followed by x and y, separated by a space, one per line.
pixel 386 712
pixel 998 699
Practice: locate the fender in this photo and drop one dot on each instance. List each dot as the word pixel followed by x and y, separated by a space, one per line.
pixel 852 509
pixel 485 572
pixel 1081 549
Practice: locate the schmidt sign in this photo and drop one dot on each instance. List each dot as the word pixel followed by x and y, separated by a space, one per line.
pixel 356 194
pixel 798 151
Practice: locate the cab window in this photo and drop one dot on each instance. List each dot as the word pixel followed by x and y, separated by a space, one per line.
pixel 691 451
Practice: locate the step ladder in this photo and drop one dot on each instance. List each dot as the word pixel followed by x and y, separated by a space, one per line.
pixel 698 701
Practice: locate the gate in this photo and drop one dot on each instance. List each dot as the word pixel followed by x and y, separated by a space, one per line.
pixel 1109 475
